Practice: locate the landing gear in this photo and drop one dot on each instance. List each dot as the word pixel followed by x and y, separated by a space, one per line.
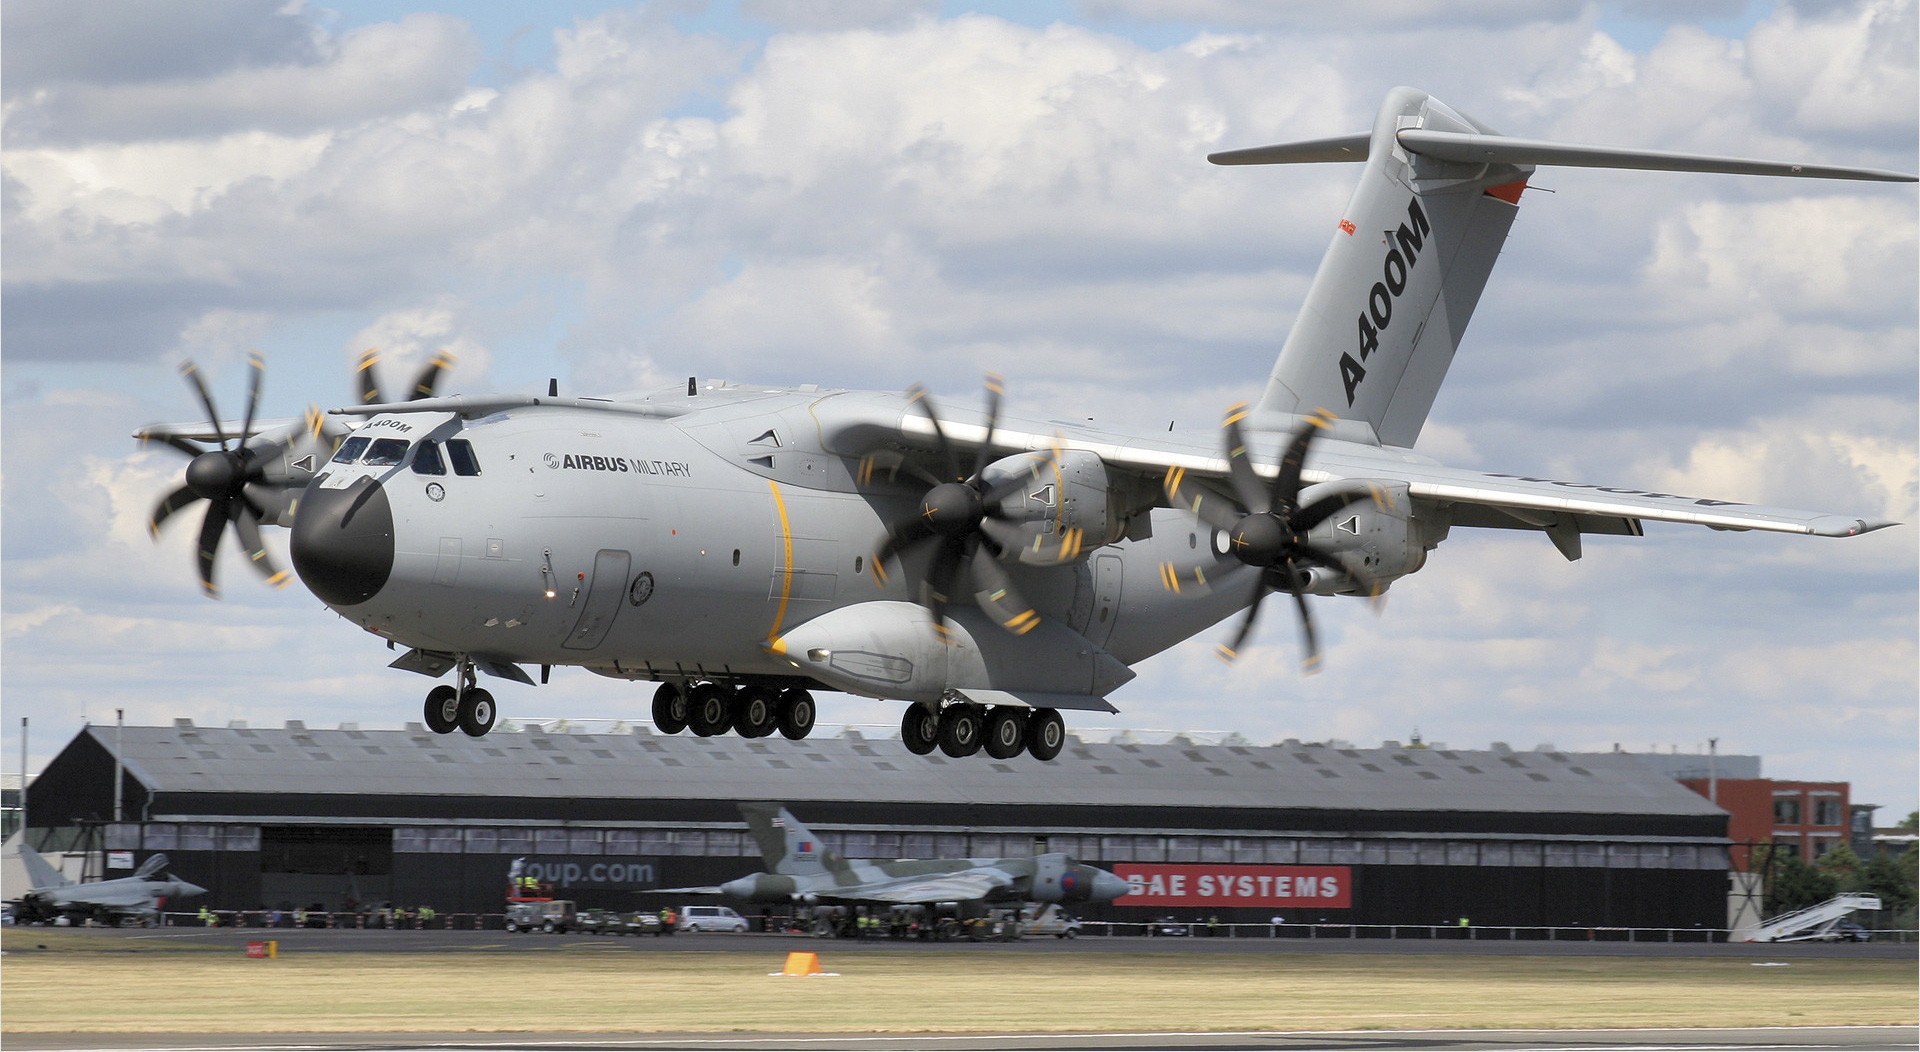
pixel 1046 734
pixel 670 709
pixel 756 711
pixel 709 710
pixel 920 729
pixel 960 730
pixel 467 708
pixel 796 713
pixel 1006 731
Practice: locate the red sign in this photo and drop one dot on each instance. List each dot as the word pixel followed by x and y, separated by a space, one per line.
pixel 1157 884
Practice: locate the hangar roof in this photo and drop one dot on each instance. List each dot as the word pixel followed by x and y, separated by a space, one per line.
pixel 638 764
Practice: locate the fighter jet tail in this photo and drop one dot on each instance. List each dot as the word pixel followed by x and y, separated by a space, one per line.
pixel 789 848
pixel 40 872
pixel 1411 256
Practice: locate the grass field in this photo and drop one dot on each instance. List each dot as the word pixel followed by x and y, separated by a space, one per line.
pixel 603 989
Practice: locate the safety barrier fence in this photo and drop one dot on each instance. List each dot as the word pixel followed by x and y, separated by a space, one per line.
pixel 268 920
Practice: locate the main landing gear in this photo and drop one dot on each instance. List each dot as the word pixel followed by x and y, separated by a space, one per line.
pixel 752 710
pixel 466 707
pixel 963 728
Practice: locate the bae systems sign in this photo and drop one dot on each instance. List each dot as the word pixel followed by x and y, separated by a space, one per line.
pixel 1156 884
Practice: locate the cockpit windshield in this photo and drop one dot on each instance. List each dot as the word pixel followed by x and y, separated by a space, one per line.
pixel 351 449
pixel 386 451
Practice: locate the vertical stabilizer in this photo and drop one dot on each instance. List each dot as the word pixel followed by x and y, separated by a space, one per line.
pixel 789 848
pixel 40 872
pixel 1398 284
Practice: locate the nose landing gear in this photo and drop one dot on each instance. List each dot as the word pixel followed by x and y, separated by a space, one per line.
pixel 467 708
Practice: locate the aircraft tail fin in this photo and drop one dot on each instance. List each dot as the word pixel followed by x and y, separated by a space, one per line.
pixel 789 848
pixel 40 872
pixel 1412 254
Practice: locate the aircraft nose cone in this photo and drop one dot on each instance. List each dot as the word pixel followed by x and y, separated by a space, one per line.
pixel 1106 887
pixel 186 890
pixel 343 541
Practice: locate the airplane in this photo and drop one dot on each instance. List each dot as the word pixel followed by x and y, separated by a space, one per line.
pixel 803 871
pixel 139 897
pixel 743 545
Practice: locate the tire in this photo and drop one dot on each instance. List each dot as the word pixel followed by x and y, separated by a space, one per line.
pixel 1046 733
pixel 960 730
pixel 476 713
pixel 796 713
pixel 512 927
pixel 756 712
pixel 709 710
pixel 443 709
pixel 920 729
pixel 1005 731
pixel 670 709
pixel 547 927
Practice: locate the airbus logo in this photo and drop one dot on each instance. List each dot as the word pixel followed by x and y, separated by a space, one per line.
pixel 1403 251
pixel 616 465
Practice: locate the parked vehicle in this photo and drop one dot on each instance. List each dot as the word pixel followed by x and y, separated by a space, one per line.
pixel 1166 926
pixel 710 918
pixel 616 922
pixel 1050 919
pixel 554 918
pixel 1848 931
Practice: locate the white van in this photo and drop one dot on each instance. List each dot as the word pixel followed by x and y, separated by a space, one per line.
pixel 710 918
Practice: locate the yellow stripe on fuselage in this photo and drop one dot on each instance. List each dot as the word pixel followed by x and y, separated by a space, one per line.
pixel 786 567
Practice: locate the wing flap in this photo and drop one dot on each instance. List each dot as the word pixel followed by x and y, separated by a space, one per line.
pixel 949 887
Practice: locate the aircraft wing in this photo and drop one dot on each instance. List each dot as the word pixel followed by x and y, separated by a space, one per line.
pixel 945 887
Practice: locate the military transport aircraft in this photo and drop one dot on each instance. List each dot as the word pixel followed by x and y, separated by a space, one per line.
pixel 803 871
pixel 743 545
pixel 138 897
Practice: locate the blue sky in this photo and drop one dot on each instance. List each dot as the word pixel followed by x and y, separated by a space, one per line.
pixel 621 195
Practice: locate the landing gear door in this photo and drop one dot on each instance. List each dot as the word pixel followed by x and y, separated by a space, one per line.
pixel 604 592
pixel 1106 598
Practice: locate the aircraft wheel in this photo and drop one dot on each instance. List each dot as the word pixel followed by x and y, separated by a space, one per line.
pixel 708 710
pixel 443 709
pixel 1046 733
pixel 796 713
pixel 1006 731
pixel 476 712
pixel 920 729
pixel 960 730
pixel 756 712
pixel 670 709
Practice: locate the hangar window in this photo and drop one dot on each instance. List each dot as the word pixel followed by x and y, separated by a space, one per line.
pixel 1463 853
pixel 1496 854
pixel 1150 849
pixel 1403 853
pixel 1247 849
pixel 1283 852
pixel 1557 854
pixel 410 841
pixel 482 841
pixel 656 842
pixel 1433 853
pixel 1373 852
pixel 694 842
pixel 550 841
pixel 986 845
pixel 196 836
pixel 443 842
pixel 1183 849
pixel 1526 854
pixel 916 845
pixel 583 841
pixel 1623 856
pixel 950 845
pixel 1653 856
pixel 351 449
pixel 1346 852
pixel 1315 853
pixel 515 842
pixel 427 460
pixel 861 845
pixel 730 843
pixel 1592 856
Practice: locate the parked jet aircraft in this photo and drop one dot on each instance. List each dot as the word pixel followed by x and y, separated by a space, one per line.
pixel 715 539
pixel 804 871
pixel 139 897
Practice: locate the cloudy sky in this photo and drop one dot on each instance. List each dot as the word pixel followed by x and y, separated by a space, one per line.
pixel 873 194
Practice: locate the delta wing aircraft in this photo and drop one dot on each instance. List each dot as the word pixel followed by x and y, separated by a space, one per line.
pixel 803 871
pixel 743 546
pixel 138 897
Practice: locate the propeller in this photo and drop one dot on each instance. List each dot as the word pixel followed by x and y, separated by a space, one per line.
pixel 423 385
pixel 1267 527
pixel 960 517
pixel 221 477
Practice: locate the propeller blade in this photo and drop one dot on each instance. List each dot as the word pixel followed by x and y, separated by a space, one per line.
pixel 190 448
pixel 256 369
pixel 917 395
pixel 369 384
pixel 169 504
pixel 1286 484
pixel 1311 662
pixel 246 527
pixel 1247 484
pixel 998 597
pixel 996 386
pixel 937 590
pixel 210 530
pixel 1217 512
pixel 192 373
pixel 906 535
pixel 1228 651
pixel 429 377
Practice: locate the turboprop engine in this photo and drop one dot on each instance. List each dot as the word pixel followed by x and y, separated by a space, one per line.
pixel 1064 506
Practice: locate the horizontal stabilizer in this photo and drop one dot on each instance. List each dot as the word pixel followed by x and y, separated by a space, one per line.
pixel 1468 148
pixel 1313 151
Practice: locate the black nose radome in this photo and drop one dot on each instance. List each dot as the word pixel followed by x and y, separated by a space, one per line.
pixel 343 541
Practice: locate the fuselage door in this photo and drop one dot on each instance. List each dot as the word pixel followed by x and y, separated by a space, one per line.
pixel 602 604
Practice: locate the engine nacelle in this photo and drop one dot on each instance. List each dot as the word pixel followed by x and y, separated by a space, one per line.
pixel 1379 532
pixel 1066 507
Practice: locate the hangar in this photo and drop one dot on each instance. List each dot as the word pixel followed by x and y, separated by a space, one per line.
pixel 293 815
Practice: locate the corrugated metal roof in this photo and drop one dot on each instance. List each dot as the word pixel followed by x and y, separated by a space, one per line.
pixel 643 765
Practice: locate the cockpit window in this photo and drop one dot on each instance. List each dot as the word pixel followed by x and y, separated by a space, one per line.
pixel 426 459
pixel 386 451
pixel 460 451
pixel 350 450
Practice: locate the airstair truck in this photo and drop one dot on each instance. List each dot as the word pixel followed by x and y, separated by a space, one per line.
pixel 1814 922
